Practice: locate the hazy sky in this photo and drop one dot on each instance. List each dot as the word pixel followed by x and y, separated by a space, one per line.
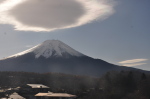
pixel 116 31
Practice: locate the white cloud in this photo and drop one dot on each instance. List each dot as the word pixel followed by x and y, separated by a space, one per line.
pixel 131 65
pixel 48 15
pixel 132 61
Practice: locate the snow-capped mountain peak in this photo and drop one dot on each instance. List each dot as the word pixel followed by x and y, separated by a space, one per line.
pixel 54 48
pixel 51 48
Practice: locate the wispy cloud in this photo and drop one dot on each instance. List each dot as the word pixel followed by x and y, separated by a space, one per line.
pixel 48 15
pixel 137 64
pixel 133 61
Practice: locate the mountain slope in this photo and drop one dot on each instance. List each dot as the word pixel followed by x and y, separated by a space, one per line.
pixel 143 67
pixel 55 56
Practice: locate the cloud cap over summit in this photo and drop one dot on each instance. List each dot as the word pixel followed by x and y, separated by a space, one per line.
pixel 47 15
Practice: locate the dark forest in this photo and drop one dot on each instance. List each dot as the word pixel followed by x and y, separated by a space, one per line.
pixel 112 85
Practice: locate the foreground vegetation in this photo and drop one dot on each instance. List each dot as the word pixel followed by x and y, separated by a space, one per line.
pixel 113 85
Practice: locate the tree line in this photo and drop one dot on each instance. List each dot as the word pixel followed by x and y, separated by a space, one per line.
pixel 112 85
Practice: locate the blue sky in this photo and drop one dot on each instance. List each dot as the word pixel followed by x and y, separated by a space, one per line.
pixel 123 35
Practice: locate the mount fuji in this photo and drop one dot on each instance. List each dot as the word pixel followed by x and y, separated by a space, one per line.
pixel 55 56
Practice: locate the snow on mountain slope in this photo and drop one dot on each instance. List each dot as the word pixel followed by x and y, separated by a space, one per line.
pixel 50 48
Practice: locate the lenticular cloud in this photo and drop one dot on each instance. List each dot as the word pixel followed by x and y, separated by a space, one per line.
pixel 48 15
